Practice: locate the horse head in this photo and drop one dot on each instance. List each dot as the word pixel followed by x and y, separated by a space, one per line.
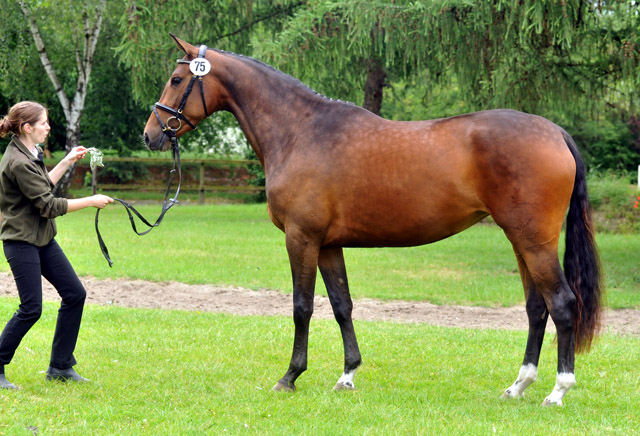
pixel 190 95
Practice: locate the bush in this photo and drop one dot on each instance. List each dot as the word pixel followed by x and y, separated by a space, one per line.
pixel 607 145
pixel 614 202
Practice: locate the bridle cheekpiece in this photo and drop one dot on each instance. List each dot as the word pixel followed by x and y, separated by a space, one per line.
pixel 199 70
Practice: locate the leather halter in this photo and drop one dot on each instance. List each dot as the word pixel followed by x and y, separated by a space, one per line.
pixel 171 132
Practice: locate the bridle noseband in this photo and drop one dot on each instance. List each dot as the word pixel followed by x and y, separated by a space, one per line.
pixel 171 132
pixel 176 114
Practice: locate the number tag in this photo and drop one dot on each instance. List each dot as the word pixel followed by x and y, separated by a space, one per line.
pixel 200 66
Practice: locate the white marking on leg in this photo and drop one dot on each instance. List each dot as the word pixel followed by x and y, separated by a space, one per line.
pixel 346 380
pixel 564 382
pixel 527 375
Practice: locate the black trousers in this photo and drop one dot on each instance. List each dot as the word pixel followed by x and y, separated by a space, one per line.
pixel 28 263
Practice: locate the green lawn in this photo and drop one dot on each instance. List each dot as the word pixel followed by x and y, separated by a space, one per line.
pixel 238 245
pixel 158 372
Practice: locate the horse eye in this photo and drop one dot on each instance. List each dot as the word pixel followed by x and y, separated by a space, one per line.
pixel 176 81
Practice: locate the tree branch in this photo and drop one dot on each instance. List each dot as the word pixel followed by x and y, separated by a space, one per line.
pixel 46 63
pixel 273 13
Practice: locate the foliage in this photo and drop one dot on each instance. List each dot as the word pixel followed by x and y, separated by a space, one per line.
pixel 219 133
pixel 21 74
pixel 112 119
pixel 607 145
pixel 125 172
pixel 108 103
pixel 258 176
pixel 145 46
pixel 530 55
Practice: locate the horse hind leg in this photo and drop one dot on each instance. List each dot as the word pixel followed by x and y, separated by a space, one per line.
pixel 538 315
pixel 334 274
pixel 550 283
pixel 562 309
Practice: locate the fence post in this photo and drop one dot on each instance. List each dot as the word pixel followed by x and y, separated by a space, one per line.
pixel 201 184
pixel 94 180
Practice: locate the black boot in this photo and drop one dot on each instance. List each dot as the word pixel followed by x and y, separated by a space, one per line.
pixel 64 375
pixel 4 383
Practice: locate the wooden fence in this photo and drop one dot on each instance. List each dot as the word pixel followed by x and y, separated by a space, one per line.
pixel 198 184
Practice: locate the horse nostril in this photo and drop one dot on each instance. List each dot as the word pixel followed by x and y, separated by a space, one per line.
pixel 146 138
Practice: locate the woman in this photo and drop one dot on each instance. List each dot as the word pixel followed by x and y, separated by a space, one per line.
pixel 28 208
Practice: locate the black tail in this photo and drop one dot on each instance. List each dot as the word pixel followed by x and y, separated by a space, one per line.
pixel 581 261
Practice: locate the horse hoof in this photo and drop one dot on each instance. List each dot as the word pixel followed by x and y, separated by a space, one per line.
pixel 548 402
pixel 284 387
pixel 508 394
pixel 344 387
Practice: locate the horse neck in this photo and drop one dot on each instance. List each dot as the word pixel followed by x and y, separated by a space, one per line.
pixel 273 109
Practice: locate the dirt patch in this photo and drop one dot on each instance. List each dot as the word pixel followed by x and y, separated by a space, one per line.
pixel 240 301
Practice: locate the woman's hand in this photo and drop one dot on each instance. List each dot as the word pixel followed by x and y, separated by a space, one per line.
pixel 72 157
pixel 100 201
pixel 76 154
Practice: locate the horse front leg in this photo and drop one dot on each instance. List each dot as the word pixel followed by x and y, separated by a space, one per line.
pixel 303 257
pixel 334 274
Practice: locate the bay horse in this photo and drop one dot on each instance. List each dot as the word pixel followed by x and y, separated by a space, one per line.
pixel 339 176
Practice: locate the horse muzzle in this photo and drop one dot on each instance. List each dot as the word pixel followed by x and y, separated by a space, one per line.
pixel 157 142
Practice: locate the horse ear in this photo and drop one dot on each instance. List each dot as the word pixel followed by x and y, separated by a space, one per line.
pixel 183 45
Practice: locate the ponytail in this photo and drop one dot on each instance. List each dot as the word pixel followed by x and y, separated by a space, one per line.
pixel 5 126
pixel 25 112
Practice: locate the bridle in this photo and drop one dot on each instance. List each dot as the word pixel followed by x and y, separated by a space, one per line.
pixel 168 128
pixel 176 114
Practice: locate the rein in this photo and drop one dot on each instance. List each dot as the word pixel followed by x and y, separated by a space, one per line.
pixel 169 128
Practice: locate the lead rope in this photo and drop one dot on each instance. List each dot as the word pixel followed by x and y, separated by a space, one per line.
pixel 167 204
pixel 172 133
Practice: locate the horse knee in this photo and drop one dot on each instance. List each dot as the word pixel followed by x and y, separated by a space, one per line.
pixel 302 312
pixel 342 312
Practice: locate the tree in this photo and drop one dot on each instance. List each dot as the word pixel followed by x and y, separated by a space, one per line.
pixel 533 55
pixel 85 46
pixel 63 34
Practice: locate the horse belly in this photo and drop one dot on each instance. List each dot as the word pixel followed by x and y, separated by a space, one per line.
pixel 401 224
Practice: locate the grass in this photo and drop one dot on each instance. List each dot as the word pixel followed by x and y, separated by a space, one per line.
pixel 159 372
pixel 238 245
pixel 172 372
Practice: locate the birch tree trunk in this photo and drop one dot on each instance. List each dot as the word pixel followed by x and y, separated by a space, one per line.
pixel 85 47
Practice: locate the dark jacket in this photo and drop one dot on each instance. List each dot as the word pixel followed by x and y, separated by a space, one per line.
pixel 27 203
